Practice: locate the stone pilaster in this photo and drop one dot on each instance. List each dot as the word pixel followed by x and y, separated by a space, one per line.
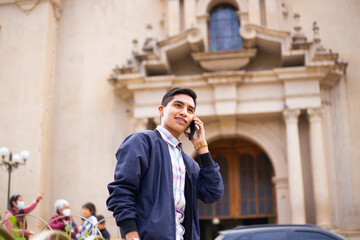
pixel 202 24
pixel 319 172
pixel 190 13
pixel 173 17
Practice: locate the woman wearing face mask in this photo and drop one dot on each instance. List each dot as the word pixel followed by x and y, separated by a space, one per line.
pixel 17 207
pixel 61 220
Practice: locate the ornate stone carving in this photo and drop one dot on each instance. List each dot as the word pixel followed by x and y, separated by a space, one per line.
pixel 315 114
pixel 291 115
pixel 317 39
pixel 225 60
pixel 57 5
pixel 195 40
pixel 299 39
pixel 149 42
pixel 27 5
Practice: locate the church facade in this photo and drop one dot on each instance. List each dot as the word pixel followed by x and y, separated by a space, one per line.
pixel 277 91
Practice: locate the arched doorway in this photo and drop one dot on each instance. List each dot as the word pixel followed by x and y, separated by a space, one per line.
pixel 249 196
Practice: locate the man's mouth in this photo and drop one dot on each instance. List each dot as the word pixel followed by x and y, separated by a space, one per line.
pixel 180 120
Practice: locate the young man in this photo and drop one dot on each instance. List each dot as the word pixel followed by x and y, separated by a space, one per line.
pixel 156 187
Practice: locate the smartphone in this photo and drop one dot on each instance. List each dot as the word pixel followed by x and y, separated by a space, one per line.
pixel 192 128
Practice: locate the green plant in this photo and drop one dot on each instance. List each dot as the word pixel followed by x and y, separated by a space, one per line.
pixel 13 221
pixel 86 235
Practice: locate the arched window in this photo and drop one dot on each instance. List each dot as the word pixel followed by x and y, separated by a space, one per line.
pixel 224 28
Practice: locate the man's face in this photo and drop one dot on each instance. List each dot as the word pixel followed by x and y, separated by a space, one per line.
pixel 178 114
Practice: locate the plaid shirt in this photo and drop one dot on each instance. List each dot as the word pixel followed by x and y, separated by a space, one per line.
pixel 179 171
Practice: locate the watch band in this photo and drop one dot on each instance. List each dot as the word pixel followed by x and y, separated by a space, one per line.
pixel 200 145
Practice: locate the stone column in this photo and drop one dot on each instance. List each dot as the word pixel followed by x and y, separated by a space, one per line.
pixel 319 173
pixel 282 199
pixel 296 183
pixel 173 16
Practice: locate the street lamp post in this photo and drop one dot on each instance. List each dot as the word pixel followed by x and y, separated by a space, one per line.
pixel 13 161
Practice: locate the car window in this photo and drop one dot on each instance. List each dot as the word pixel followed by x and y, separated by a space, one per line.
pixel 271 235
pixel 236 237
pixel 307 235
pixel 245 237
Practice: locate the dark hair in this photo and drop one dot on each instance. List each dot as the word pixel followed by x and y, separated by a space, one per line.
pixel 100 218
pixel 12 199
pixel 169 95
pixel 91 208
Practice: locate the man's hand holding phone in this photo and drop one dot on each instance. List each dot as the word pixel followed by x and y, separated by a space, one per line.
pixel 197 136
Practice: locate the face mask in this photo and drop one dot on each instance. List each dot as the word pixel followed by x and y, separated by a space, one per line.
pixel 67 212
pixel 20 205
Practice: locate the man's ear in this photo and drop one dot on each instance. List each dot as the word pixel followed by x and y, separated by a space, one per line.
pixel 161 110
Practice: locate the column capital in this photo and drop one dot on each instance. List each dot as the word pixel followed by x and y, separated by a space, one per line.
pixel 291 115
pixel 315 114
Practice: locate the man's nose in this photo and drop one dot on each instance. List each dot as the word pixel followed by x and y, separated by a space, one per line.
pixel 183 112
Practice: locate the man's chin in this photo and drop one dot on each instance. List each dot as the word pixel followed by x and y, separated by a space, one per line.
pixel 179 130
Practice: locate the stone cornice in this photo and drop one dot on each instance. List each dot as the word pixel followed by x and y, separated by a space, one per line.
pixel 28 5
pixel 278 75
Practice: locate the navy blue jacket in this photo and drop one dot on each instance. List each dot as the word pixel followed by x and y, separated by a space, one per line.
pixel 141 195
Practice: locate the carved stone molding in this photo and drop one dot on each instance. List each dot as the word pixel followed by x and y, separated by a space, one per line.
pixel 58 7
pixel 315 114
pixel 224 60
pixel 27 5
pixel 291 115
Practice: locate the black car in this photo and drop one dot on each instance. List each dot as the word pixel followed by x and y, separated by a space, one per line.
pixel 278 232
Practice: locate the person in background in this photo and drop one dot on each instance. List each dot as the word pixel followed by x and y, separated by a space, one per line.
pixel 87 228
pixel 101 226
pixel 17 206
pixel 62 220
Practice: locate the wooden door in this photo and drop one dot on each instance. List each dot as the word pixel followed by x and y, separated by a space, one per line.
pixel 247 173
